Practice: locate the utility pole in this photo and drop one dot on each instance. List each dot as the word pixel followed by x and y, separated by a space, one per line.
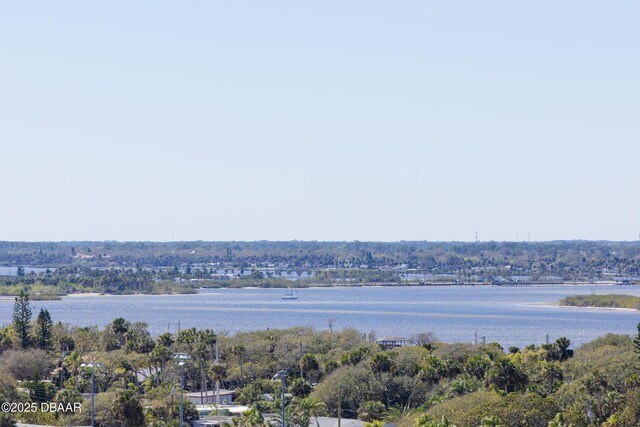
pixel 93 393
pixel 283 379
pixel 92 365
pixel 182 357
pixel 217 379
pixel 339 408
pixel 181 364
pixel 64 351
pixel 300 355
pixel 173 391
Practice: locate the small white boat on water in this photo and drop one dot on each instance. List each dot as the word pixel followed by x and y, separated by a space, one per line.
pixel 290 295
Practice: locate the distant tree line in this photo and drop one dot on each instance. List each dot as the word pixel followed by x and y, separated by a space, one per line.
pixel 569 259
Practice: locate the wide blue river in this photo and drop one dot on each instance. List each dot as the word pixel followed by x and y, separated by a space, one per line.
pixel 510 316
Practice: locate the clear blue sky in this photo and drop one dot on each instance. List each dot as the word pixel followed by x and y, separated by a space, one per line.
pixel 359 120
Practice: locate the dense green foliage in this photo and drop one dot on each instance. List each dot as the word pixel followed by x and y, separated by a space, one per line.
pixel 612 301
pixel 63 281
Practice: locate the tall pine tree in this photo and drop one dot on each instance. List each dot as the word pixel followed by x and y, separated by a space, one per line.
pixel 22 318
pixel 44 329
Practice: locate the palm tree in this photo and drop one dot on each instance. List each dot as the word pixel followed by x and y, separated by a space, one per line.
pixel 371 410
pixel 563 348
pixel 463 385
pixel 306 409
pixel 128 409
pixel 202 355
pixel 240 351
pixel 120 327
pixel 165 340
pixel 169 389
pixel 73 362
pixel 309 364
pixel 159 357
pixel 250 418
pixel 201 358
pixel 249 394
pixel 596 384
pixel 218 372
pixel 395 414
pixel 381 362
pixel 146 346
pixel 300 387
pixel 551 373
pixel 124 369
pixel 507 376
pixel 186 337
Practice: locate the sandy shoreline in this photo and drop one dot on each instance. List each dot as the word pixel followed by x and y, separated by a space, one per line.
pixel 82 294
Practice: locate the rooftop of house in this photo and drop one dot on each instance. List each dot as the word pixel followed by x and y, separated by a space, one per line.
pixel 393 339
pixel 210 393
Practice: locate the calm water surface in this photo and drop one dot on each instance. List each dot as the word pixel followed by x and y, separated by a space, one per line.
pixel 510 316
